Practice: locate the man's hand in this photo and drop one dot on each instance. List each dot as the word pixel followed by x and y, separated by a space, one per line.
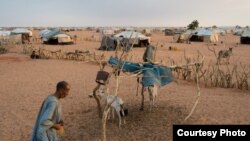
pixel 57 126
pixel 60 122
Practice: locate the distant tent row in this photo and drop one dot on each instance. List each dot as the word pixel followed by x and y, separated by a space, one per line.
pixel 55 36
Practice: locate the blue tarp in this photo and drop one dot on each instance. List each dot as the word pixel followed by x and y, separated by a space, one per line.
pixel 152 74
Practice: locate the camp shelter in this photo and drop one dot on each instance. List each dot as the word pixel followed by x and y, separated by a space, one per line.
pixel 183 37
pixel 56 37
pixel 238 31
pixel 108 32
pixel 108 43
pixel 5 33
pixel 45 31
pixel 245 37
pixel 136 38
pixel 21 31
pixel 124 38
pixel 204 35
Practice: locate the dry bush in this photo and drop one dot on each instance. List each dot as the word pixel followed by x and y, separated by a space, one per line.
pixel 235 75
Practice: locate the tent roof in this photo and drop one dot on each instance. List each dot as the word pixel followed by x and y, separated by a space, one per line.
pixel 62 35
pixel 20 31
pixel 4 33
pixel 246 33
pixel 203 32
pixel 51 33
pixel 127 34
pixel 54 33
pixel 45 31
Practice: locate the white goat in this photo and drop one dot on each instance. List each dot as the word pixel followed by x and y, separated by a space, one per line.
pixel 115 107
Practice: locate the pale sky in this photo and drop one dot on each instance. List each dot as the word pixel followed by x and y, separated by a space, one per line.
pixel 124 12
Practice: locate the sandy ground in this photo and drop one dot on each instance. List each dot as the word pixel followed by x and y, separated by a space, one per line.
pixel 24 83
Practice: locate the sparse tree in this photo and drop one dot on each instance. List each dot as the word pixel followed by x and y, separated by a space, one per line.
pixel 194 25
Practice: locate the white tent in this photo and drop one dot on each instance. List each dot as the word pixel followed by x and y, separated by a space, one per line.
pixel 132 34
pixel 246 33
pixel 136 37
pixel 4 33
pixel 108 32
pixel 63 38
pixel 56 37
pixel 238 31
pixel 205 35
pixel 21 31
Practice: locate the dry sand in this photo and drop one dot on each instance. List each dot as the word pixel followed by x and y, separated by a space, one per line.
pixel 24 83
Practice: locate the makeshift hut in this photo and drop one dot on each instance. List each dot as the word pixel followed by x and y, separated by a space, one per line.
pixel 245 37
pixel 204 35
pixel 56 37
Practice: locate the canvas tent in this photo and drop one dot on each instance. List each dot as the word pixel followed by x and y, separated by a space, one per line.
pixel 107 31
pixel 136 37
pixel 204 35
pixel 21 31
pixel 245 37
pixel 5 33
pixel 25 34
pixel 238 31
pixel 56 37
pixel 125 37
pixel 108 43
pixel 199 35
pixel 183 37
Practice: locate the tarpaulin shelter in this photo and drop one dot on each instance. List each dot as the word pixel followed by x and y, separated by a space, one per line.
pixel 151 74
pixel 56 37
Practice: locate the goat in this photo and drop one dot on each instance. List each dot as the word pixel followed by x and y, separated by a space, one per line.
pixel 225 54
pixel 116 106
pixel 152 90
